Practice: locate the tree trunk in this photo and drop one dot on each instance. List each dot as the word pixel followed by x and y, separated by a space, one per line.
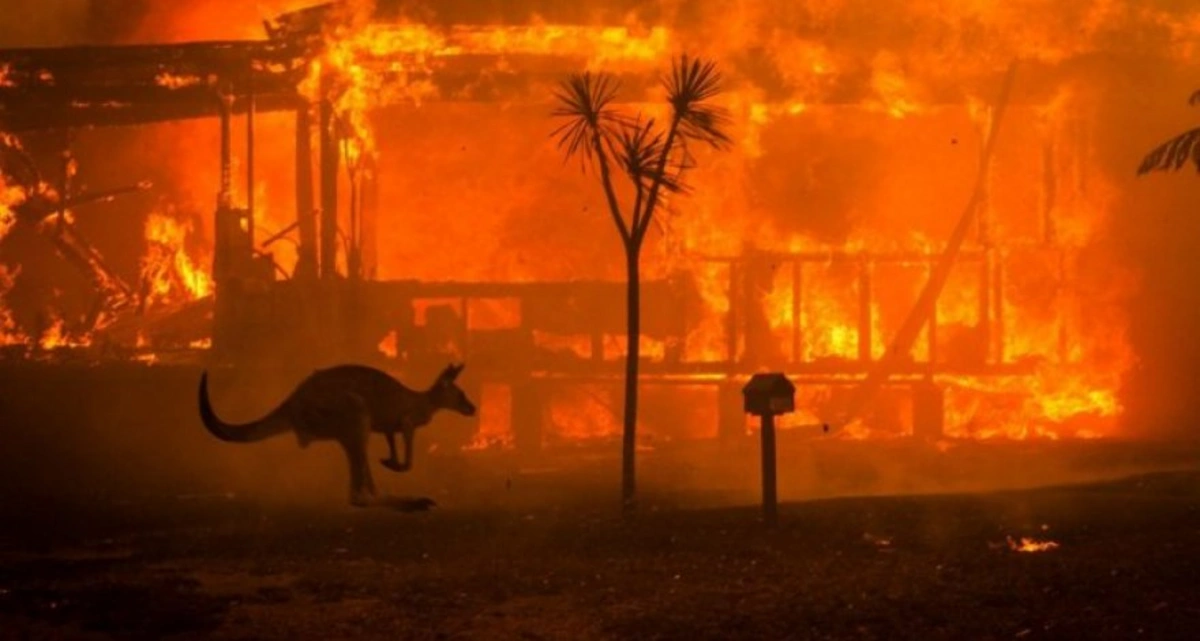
pixel 632 356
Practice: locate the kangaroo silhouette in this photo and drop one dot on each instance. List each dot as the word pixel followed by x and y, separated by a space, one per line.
pixel 345 404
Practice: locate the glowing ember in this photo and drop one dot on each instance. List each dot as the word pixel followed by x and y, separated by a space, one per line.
pixel 388 346
pixel 9 334
pixel 1030 545
pixel 174 81
pixel 57 337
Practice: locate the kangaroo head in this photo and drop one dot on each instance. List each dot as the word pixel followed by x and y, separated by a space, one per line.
pixel 447 395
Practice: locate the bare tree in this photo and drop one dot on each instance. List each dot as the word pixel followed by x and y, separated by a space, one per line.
pixel 1173 154
pixel 653 159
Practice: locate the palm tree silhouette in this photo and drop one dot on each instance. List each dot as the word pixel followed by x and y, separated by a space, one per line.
pixel 653 159
pixel 1173 154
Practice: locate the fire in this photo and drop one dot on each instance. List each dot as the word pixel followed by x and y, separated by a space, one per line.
pixel 172 276
pixel 388 346
pixel 853 149
pixel 57 336
pixel 1030 545
pixel 174 81
pixel 9 334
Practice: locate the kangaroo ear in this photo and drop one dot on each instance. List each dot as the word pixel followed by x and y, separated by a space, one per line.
pixel 451 372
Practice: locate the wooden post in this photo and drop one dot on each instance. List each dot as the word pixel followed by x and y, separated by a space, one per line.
pixel 306 264
pixel 369 219
pixel 250 165
pixel 329 192
pixel 770 498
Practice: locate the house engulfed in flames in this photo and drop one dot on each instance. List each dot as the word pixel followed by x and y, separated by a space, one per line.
pixel 386 191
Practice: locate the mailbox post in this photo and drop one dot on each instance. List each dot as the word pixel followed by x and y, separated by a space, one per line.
pixel 767 396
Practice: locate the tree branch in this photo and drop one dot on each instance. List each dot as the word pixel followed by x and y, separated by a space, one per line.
pixel 614 207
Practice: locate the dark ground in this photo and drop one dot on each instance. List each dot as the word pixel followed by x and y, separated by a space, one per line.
pixel 928 567
pixel 121 518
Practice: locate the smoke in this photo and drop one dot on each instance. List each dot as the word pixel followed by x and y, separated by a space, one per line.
pixel 52 23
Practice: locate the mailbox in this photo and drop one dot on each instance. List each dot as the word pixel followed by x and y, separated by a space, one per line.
pixel 769 395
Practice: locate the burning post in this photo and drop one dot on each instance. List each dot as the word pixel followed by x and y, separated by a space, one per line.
pixel 767 395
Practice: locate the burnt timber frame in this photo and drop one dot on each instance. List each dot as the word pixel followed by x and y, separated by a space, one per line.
pixel 112 86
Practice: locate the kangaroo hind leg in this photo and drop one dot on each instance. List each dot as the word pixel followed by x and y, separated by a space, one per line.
pixel 354 442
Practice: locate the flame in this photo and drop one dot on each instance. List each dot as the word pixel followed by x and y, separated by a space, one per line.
pixel 388 346
pixel 175 81
pixel 171 274
pixel 58 337
pixel 1030 545
pixel 798 125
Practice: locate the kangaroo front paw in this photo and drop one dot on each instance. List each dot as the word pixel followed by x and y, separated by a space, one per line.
pixel 393 465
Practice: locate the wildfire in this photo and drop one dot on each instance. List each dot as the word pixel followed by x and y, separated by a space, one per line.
pixel 850 148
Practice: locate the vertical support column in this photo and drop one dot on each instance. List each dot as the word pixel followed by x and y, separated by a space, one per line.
pixel 329 191
pixel 221 240
pixel 223 305
pixel 250 167
pixel 369 219
pixel 986 241
pixel 864 311
pixel 1049 200
pixel 224 197
pixel 306 221
pixel 985 303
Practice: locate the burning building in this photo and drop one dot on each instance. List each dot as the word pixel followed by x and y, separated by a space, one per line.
pixel 375 181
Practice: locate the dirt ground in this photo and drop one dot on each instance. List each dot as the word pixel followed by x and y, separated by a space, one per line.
pixel 915 567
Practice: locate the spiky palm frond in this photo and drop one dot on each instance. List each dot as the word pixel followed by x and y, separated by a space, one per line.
pixel 1173 154
pixel 639 147
pixel 585 100
pixel 690 86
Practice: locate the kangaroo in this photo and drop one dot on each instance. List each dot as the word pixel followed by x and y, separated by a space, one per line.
pixel 345 404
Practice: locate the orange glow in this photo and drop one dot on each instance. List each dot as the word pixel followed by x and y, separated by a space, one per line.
pixel 388 346
pixel 172 275
pixel 495 427
pixel 1030 545
pixel 475 191
pixel 173 81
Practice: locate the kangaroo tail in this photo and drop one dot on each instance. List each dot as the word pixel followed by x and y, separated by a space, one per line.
pixel 264 428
